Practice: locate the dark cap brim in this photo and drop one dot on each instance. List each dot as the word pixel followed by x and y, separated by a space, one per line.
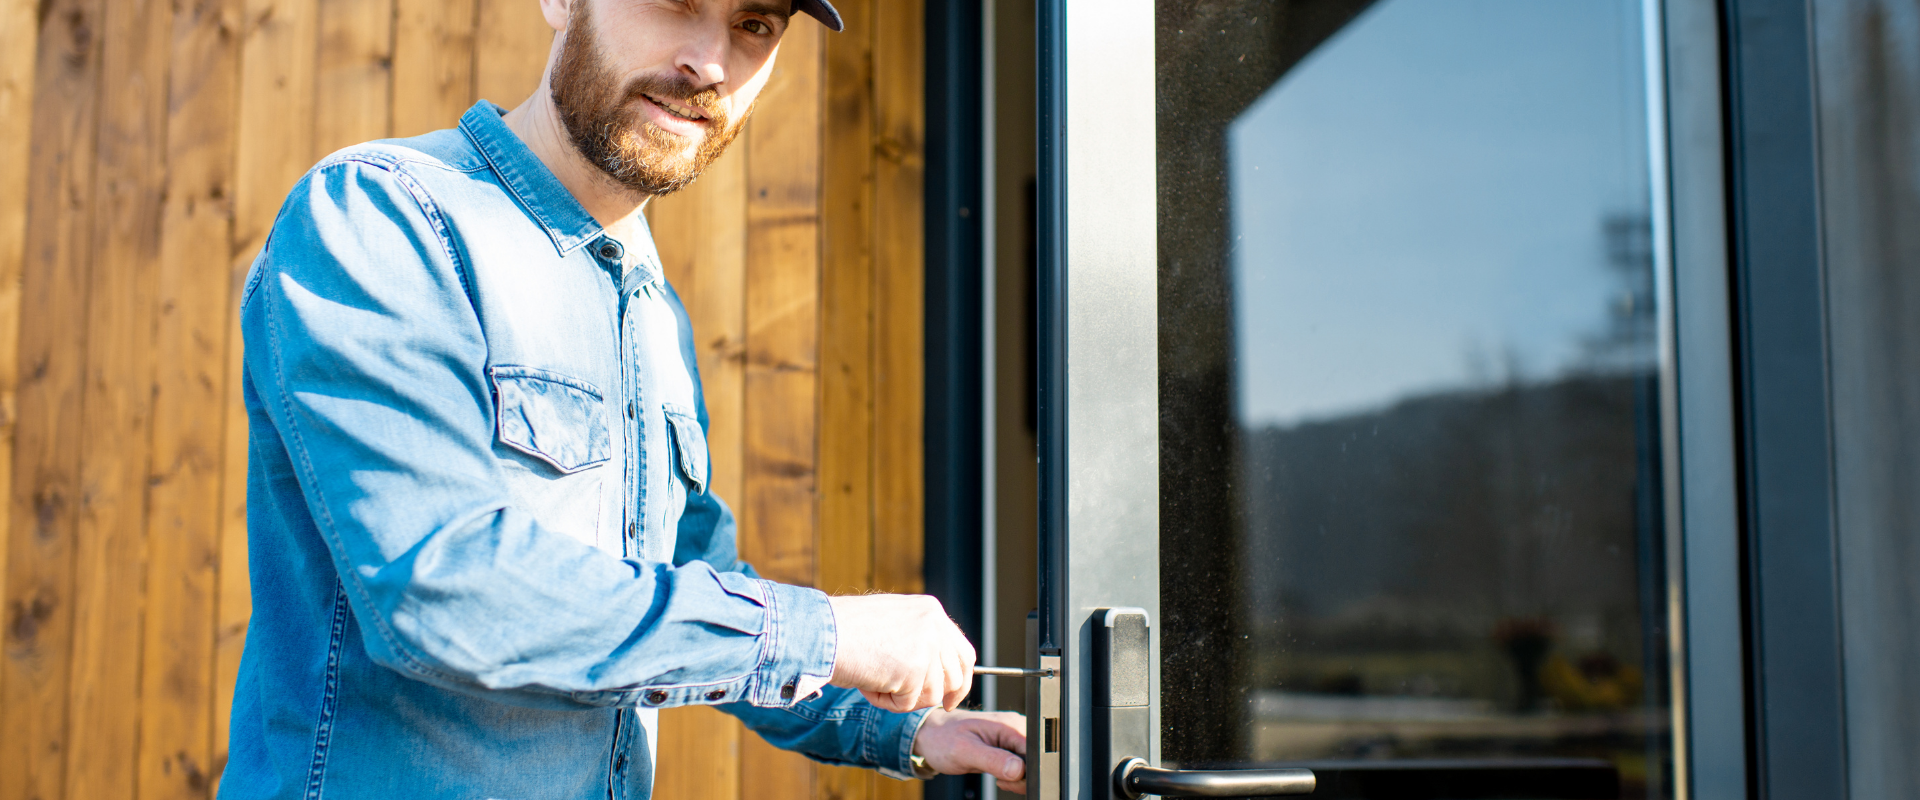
pixel 823 11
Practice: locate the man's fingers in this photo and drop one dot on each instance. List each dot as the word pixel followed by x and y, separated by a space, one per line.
pixel 1008 731
pixel 957 680
pixel 963 677
pixel 972 755
pixel 1006 739
pixel 1012 768
pixel 887 700
pixel 903 649
pixel 933 693
pixel 908 696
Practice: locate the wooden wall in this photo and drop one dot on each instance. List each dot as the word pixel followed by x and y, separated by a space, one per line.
pixel 144 149
pixel 799 257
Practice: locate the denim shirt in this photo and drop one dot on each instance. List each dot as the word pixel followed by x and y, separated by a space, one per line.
pixel 482 547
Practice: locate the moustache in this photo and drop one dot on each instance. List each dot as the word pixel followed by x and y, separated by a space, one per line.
pixel 682 91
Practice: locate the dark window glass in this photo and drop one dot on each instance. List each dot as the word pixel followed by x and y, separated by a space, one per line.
pixel 1411 440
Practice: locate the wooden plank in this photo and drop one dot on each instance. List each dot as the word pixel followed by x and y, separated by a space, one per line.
pixel 353 75
pixel 777 511
pixel 782 314
pixel 275 138
pixel 234 602
pixel 45 489
pixel 899 121
pixel 19 40
pixel 511 41
pixel 847 313
pixel 899 291
pixel 699 755
pixel 769 772
pixel 184 476
pixel 116 407
pixel 701 234
pixel 843 783
pixel 885 788
pixel 432 64
pixel 273 146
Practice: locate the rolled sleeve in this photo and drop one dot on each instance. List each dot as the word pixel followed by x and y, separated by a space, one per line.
pixel 800 645
pixel 839 727
pixel 892 735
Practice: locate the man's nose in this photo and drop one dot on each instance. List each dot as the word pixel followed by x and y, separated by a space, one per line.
pixel 704 57
pixel 706 73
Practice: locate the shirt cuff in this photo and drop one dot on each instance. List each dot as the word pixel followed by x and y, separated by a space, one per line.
pixel 798 651
pixel 920 768
pixel 890 741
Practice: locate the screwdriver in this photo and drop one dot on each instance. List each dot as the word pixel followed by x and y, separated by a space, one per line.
pixel 1014 672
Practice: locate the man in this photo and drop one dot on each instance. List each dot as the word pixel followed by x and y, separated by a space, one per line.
pixel 483 551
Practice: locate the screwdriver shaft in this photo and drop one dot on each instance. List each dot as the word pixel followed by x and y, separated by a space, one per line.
pixel 1013 672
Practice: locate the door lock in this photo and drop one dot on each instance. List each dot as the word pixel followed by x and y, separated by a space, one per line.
pixel 1043 717
pixel 1122 696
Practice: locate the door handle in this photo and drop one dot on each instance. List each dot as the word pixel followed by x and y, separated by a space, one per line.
pixel 1134 779
pixel 1123 725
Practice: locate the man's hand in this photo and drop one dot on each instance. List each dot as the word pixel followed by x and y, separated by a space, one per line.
pixel 964 742
pixel 901 651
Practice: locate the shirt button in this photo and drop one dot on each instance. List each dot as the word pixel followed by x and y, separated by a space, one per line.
pixel 716 694
pixel 629 411
pixel 656 697
pixel 609 250
pixel 620 763
pixel 786 692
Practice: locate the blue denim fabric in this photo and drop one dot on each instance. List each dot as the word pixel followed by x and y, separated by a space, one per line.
pixel 482 548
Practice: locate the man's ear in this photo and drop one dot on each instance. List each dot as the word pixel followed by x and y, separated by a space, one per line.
pixel 557 12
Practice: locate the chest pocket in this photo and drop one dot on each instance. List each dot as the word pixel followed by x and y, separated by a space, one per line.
pixel 552 417
pixel 689 445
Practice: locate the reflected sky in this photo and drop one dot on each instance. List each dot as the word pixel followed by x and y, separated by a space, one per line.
pixel 1418 206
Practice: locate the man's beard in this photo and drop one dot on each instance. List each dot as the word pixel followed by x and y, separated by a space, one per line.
pixel 605 127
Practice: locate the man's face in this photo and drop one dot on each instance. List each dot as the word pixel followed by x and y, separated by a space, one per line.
pixel 652 91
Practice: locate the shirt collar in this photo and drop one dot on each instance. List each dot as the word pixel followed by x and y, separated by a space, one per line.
pixel 549 202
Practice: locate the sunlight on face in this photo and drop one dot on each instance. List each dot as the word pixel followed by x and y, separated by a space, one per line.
pixel 654 127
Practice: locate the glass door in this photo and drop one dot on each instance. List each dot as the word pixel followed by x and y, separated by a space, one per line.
pixel 1357 397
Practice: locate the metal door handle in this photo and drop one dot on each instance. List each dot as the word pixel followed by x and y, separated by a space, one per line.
pixel 1135 779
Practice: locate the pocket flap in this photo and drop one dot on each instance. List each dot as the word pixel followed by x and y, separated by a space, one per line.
pixel 690 444
pixel 549 416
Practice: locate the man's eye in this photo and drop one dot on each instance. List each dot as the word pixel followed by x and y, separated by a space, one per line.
pixel 756 27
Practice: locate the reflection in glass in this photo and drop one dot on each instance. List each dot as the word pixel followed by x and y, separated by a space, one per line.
pixel 1410 430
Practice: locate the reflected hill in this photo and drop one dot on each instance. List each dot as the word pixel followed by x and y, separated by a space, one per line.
pixel 1492 550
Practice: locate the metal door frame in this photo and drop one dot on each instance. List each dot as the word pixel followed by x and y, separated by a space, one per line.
pixel 1789 557
pixel 1098 333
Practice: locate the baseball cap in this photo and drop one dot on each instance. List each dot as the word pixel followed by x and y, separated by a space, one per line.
pixel 823 11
